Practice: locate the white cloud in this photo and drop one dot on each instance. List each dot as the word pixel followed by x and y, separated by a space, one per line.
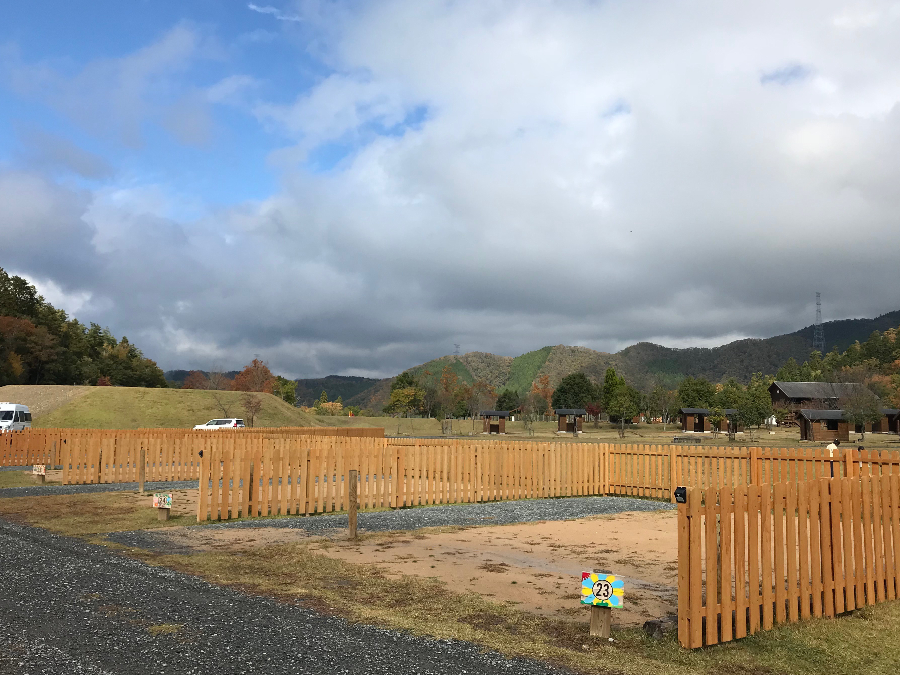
pixel 275 12
pixel 582 173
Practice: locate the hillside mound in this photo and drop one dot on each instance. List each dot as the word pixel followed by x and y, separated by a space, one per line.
pixel 140 408
pixel 42 399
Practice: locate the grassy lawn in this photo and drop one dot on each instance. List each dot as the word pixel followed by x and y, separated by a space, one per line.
pixel 139 408
pixel 864 642
pixel 13 479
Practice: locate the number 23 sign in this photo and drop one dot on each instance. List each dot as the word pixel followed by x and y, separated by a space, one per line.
pixel 601 590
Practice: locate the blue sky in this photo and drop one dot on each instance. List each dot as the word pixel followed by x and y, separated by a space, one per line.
pixel 227 166
pixel 353 188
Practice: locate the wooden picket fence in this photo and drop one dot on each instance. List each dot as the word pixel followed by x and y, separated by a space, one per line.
pixel 243 477
pixel 26 448
pixel 760 555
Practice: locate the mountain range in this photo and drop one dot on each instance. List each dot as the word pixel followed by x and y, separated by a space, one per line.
pixel 644 364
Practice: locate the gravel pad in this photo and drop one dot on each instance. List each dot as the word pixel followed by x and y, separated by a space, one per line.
pixel 43 490
pixel 71 607
pixel 494 513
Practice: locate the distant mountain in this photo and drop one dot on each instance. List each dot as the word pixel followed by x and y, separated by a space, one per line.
pixel 334 386
pixel 644 364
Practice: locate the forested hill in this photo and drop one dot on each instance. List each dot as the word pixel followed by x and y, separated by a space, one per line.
pixel 644 365
pixel 40 344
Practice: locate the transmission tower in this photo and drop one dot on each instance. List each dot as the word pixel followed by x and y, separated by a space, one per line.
pixel 455 349
pixel 818 329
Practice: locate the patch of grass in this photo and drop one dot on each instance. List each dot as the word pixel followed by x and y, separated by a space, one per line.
pixel 87 515
pixel 12 479
pixel 142 408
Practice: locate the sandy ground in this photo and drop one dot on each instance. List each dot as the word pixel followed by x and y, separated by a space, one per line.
pixel 535 566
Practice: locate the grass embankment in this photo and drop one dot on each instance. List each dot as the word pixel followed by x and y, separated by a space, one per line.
pixel 862 642
pixel 140 408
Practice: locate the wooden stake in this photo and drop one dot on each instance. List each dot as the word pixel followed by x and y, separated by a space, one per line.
pixel 601 621
pixel 162 514
pixel 354 501
pixel 142 468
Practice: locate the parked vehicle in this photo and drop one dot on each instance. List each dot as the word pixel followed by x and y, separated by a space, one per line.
pixel 231 423
pixel 14 417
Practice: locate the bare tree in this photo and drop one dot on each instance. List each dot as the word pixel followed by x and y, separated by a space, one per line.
pixel 252 406
pixel 222 402
pixel 217 380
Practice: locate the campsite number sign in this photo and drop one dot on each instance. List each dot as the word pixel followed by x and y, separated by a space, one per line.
pixel 162 500
pixel 601 589
pixel 39 469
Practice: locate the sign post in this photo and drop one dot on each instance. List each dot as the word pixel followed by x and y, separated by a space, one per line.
pixel 162 502
pixel 602 591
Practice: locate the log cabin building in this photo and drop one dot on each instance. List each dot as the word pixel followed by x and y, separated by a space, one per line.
pixel 823 425
pixel 810 395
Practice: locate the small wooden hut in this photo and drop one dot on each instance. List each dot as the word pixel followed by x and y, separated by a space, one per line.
pixel 695 419
pixel 571 420
pixel 494 421
pixel 823 425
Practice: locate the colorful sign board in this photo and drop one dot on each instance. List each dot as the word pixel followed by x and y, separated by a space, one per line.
pixel 602 590
pixel 39 470
pixel 162 500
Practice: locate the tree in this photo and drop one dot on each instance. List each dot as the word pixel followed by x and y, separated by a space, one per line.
pixel 574 391
pixel 285 389
pixel 696 393
pixel 594 409
pixel 624 403
pixel 255 377
pixel 611 384
pixel 252 406
pixel 447 396
pixel 755 406
pixel 195 380
pixel 480 396
pixel 861 407
pixel 218 381
pixel 508 400
pixel 716 417
pixel 543 391
pixel 405 400
pixel 661 403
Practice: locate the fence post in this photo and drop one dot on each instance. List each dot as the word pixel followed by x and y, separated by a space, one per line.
pixel 673 479
pixel 142 468
pixel 848 462
pixel 353 499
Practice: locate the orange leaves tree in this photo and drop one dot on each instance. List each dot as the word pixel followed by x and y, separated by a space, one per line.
pixel 195 380
pixel 255 377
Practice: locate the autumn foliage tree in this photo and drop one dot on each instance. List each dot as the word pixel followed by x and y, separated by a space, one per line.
pixel 255 377
pixel 196 380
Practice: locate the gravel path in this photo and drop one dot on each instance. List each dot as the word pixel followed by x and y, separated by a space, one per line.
pixel 495 513
pixel 71 607
pixel 42 490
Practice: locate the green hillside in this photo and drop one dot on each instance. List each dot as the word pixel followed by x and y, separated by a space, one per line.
pixel 345 387
pixel 644 364
pixel 138 408
pixel 525 368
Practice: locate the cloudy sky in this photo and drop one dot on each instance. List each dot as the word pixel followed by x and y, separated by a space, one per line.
pixel 354 187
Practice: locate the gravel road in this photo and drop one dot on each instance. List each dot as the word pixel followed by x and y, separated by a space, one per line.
pixel 495 513
pixel 71 607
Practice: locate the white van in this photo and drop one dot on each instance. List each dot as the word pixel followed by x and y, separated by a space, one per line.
pixel 14 417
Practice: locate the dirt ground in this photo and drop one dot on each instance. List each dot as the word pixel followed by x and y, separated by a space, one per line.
pixel 535 566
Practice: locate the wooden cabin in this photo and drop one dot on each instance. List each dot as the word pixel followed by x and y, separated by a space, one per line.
pixel 571 420
pixel 808 395
pixel 695 419
pixel 494 421
pixel 893 420
pixel 823 425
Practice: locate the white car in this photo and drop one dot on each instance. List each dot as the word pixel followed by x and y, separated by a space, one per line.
pixel 232 423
